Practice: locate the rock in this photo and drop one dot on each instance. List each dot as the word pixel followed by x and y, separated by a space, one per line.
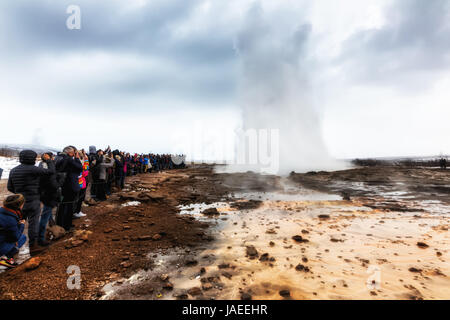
pixel 439 254
pixel 224 266
pixel 301 267
pixel 181 295
pixel 246 205
pixel 195 291
pixel 413 269
pixel 164 277
pixel 252 252
pixel 285 293
pixel 422 245
pixel 324 216
pixel 300 239
pixel 76 242
pixel 191 262
pixel 246 296
pixel 126 264
pixel 210 212
pixel 109 230
pixel 305 231
pixel 202 271
pixel 271 243
pixel 264 257
pixel 56 231
pixel 168 286
pixel 32 264
pixel 207 286
pixel 145 238
pixel 156 237
pixel 227 275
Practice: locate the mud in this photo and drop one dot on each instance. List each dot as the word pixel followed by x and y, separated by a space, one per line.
pixel 353 234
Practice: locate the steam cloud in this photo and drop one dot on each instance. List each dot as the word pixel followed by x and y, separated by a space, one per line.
pixel 276 92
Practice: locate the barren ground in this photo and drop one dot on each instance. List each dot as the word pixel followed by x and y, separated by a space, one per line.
pixel 366 233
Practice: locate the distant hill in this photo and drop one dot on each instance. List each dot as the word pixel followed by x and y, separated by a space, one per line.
pixel 13 150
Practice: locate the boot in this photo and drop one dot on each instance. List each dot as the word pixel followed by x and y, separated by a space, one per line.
pixel 36 249
pixel 43 243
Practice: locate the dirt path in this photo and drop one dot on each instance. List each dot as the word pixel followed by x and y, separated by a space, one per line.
pixel 118 240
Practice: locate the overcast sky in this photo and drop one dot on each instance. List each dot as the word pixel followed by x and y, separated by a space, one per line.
pixel 165 75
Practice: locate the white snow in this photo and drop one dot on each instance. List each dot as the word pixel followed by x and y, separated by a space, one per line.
pixel 7 164
pixel 131 204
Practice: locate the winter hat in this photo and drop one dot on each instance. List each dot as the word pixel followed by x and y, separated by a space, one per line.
pixel 27 157
pixel 92 149
pixel 14 202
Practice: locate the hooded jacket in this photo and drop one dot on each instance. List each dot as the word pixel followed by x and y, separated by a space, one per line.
pixel 25 178
pixel 72 169
pixel 10 228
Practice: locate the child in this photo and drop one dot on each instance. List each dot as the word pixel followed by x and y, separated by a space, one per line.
pixel 11 229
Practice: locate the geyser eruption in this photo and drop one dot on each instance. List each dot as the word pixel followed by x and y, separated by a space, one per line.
pixel 276 93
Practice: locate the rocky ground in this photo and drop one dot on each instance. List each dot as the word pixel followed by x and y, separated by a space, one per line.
pixel 366 233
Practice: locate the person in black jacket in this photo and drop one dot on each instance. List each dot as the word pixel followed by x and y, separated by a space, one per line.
pixel 25 179
pixel 68 164
pixel 49 197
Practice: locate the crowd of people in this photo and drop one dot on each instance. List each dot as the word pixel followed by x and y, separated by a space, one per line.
pixel 63 182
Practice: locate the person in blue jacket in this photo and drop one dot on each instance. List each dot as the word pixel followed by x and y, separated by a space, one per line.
pixel 12 225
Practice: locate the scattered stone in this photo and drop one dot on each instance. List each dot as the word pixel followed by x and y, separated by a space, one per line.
pixel 300 239
pixel 264 257
pixel 210 212
pixel 157 237
pixel 207 286
pixel 252 252
pixel 168 286
pixel 324 216
pixel 164 277
pixel 181 295
pixel 32 264
pixel 191 262
pixel 301 267
pixel 413 269
pixel 246 296
pixel 227 275
pixel 422 245
pixel 285 293
pixel 126 264
pixel 271 243
pixel 195 291
pixel 224 266
pixel 56 232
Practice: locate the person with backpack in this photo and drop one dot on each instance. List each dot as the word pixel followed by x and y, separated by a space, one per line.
pixel 25 179
pixel 12 226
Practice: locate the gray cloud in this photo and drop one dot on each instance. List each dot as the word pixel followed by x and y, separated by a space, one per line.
pixel 413 42
pixel 199 64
